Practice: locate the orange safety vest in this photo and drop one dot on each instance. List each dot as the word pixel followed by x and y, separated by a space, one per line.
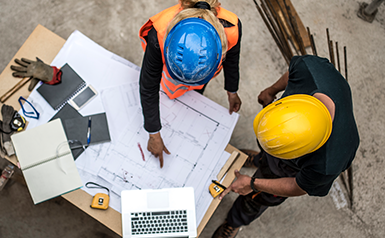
pixel 160 22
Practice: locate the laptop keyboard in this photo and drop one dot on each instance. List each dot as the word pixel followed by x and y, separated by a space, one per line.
pixel 159 222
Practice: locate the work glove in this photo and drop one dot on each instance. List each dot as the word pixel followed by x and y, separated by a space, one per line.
pixel 37 70
pixel 6 131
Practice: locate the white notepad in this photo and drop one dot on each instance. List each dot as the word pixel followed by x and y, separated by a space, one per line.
pixel 46 161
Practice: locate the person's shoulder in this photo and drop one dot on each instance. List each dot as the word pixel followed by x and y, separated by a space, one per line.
pixel 307 58
pixel 227 15
pixel 297 62
pixel 303 62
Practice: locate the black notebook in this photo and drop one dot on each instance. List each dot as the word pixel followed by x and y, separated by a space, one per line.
pixel 76 129
pixel 57 95
pixel 68 112
pixel 76 126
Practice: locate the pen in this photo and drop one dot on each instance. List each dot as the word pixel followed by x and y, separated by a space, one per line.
pixel 141 151
pixel 89 131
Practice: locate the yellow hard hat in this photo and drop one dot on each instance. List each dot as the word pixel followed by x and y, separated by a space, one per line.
pixel 293 126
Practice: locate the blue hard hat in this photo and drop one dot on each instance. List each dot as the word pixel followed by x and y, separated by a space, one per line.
pixel 193 51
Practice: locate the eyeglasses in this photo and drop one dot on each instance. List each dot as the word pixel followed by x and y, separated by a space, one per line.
pixel 28 109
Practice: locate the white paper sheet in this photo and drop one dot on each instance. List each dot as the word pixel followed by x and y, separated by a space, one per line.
pixel 195 129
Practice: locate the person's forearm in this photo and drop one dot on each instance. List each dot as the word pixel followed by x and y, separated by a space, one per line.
pixel 149 82
pixel 281 84
pixel 150 110
pixel 284 187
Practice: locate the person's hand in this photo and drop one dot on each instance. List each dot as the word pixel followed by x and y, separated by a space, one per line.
pixel 266 97
pixel 37 70
pixel 240 186
pixel 156 147
pixel 234 102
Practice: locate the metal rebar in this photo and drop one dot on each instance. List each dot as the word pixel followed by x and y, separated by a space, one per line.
pixel 271 31
pixel 331 47
pixel 296 30
pixel 281 26
pixel 338 57
pixel 277 31
pixel 311 41
pixel 290 29
pixel 328 40
pixel 346 64
pixel 350 182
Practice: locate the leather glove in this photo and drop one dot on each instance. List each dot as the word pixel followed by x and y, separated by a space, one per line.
pixel 6 144
pixel 37 70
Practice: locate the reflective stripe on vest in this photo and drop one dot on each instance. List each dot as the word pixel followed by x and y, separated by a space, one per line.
pixel 160 22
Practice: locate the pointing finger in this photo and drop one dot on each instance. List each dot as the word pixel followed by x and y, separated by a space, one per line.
pixel 161 159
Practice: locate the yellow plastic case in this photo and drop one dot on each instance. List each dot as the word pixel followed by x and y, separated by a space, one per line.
pixel 100 201
pixel 215 190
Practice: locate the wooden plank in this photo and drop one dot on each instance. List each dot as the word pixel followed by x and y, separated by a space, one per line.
pixel 110 217
pixel 238 163
pixel 301 27
pixel 227 165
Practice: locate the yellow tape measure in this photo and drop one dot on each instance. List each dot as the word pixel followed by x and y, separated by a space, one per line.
pixel 18 122
pixel 100 200
pixel 216 188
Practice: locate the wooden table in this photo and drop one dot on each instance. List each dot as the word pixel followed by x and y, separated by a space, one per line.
pixel 45 44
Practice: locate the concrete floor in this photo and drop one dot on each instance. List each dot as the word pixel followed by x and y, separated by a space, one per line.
pixel 115 24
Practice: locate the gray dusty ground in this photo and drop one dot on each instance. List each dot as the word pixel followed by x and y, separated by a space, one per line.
pixel 115 24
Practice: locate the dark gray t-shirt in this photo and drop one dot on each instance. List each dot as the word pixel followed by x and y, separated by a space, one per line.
pixel 316 171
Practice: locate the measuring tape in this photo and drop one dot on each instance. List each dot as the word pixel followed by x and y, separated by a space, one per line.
pixel 18 122
pixel 216 188
pixel 100 200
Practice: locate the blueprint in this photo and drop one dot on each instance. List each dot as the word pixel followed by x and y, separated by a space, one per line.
pixel 195 129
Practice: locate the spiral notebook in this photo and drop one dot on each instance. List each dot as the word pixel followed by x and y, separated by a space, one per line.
pixel 57 95
pixel 46 161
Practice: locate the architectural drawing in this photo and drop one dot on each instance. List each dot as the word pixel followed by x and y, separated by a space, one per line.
pixel 195 135
pixel 195 129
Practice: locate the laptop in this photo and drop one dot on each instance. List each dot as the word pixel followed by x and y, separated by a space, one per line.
pixel 158 213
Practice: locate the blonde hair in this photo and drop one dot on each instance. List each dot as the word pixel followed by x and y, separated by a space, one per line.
pixel 208 15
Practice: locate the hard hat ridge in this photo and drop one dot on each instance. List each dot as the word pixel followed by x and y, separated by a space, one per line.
pixel 192 51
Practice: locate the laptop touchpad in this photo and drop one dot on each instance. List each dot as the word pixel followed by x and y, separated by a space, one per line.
pixel 158 200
